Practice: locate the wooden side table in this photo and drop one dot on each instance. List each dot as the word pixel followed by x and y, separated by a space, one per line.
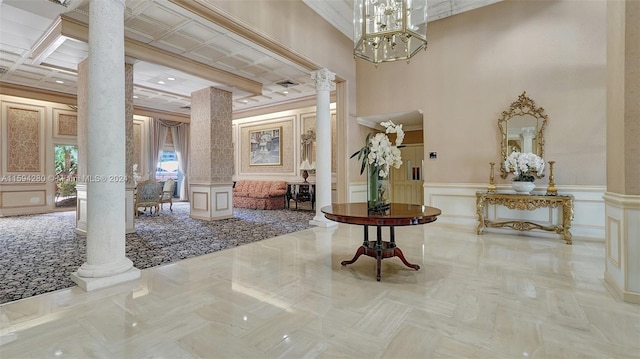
pixel 398 214
pixel 301 192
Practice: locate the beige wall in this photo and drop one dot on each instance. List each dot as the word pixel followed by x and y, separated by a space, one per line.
pixel 478 63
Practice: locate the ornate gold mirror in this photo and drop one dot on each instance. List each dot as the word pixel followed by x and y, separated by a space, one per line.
pixel 522 130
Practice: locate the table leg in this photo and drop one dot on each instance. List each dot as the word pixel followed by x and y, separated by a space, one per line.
pixel 380 250
pixel 359 252
pixel 366 236
pixel 398 253
pixel 392 237
pixel 480 212
pixel 378 264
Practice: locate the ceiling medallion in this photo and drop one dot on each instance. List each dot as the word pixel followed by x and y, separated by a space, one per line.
pixel 389 30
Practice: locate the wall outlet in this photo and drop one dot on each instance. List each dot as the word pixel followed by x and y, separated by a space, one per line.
pixel 433 155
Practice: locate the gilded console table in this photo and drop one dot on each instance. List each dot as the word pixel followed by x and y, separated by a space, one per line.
pixel 527 202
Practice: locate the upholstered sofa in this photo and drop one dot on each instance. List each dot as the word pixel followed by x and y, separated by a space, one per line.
pixel 259 194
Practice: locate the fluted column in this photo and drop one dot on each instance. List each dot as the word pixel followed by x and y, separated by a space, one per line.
pixel 106 263
pixel 323 80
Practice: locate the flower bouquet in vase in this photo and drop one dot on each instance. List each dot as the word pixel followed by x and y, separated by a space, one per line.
pixel 523 166
pixel 378 155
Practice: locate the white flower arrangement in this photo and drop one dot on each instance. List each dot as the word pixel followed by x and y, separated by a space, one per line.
pixel 379 152
pixel 523 164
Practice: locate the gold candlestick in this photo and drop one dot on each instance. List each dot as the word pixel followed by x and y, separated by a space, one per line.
pixel 551 190
pixel 491 187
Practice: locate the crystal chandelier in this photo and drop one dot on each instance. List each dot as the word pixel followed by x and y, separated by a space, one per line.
pixel 389 30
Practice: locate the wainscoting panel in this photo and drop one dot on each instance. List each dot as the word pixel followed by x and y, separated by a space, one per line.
pixel 211 201
pixel 457 201
pixel 25 199
pixel 357 193
pixel 458 205
pixel 622 246
pixel 223 201
pixel 200 201
pixel 614 244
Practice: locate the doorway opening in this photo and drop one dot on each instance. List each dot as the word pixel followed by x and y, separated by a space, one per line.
pixel 66 170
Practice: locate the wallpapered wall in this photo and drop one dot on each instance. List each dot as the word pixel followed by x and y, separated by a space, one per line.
pixel 29 132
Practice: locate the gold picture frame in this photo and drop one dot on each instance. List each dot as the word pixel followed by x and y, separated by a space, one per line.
pixel 265 147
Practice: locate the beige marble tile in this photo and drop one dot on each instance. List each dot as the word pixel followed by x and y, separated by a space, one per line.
pixel 489 296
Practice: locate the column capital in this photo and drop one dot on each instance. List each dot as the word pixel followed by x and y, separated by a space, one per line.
pixel 528 132
pixel 323 78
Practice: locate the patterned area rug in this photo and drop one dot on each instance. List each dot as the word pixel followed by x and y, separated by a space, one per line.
pixel 38 253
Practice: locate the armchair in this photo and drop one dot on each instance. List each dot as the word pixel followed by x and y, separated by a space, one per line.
pixel 148 195
pixel 167 194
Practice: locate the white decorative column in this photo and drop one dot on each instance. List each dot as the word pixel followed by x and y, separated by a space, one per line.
pixel 323 80
pixel 622 199
pixel 211 155
pixel 106 263
pixel 527 134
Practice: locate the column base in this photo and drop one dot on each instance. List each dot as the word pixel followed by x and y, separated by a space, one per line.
pixel 322 221
pixel 618 293
pixel 90 284
pixel 211 201
pixel 622 246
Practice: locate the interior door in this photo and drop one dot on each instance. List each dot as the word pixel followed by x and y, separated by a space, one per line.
pixel 406 182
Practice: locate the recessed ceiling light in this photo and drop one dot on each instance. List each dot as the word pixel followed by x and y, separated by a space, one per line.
pixel 285 92
pixel 161 82
pixel 59 81
pixel 245 101
pixel 134 96
pixel 171 78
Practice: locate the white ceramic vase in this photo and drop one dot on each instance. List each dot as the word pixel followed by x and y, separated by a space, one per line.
pixel 523 187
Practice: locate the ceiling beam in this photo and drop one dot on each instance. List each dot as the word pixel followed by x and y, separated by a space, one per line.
pixel 37 94
pixel 68 28
pixel 165 115
pixel 218 17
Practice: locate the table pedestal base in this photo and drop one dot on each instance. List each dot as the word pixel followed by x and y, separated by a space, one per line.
pixel 380 249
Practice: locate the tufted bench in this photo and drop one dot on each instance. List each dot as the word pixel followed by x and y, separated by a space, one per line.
pixel 259 194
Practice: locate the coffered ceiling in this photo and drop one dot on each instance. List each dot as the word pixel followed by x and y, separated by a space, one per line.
pixel 174 51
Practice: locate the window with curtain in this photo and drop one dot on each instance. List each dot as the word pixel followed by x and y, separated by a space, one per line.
pixel 167 166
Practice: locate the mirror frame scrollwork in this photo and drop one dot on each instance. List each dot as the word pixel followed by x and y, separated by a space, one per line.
pixel 521 107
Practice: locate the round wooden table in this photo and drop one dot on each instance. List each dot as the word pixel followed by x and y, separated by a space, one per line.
pixel 399 214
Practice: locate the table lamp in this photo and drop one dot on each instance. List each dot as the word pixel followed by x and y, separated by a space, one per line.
pixel 305 166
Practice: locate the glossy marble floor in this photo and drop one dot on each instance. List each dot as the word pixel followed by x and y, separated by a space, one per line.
pixel 490 296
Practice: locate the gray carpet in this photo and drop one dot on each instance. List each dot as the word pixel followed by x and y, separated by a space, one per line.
pixel 39 252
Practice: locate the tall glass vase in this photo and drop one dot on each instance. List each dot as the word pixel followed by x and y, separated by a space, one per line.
pixel 378 190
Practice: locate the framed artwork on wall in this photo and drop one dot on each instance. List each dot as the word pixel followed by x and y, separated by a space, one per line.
pixel 266 147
